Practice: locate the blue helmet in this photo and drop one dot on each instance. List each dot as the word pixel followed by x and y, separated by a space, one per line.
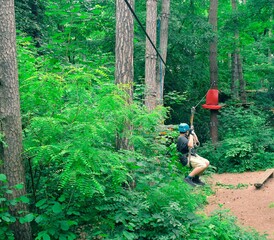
pixel 183 127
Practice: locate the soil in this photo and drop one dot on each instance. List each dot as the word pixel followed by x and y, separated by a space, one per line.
pixel 253 207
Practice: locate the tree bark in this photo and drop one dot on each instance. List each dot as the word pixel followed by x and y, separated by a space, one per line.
pixel 10 118
pixel 213 68
pixel 238 83
pixel 151 56
pixel 241 81
pixel 270 34
pixel 234 76
pixel 124 71
pixel 163 49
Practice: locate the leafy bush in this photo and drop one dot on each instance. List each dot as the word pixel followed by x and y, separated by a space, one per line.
pixel 5 217
pixel 222 225
pixel 6 201
pixel 81 184
pixel 246 141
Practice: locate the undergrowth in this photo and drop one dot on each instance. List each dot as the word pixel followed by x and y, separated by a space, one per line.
pixel 81 185
pixel 246 142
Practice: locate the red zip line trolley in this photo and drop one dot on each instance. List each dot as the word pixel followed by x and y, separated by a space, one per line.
pixel 212 100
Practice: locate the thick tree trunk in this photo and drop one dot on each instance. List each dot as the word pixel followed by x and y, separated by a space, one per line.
pixel 213 68
pixel 151 56
pixel 124 61
pixel 163 49
pixel 10 118
pixel 124 47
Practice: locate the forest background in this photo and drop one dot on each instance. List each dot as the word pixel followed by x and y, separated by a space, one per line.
pixel 79 185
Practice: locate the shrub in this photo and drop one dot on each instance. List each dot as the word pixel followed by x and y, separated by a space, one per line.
pixel 245 141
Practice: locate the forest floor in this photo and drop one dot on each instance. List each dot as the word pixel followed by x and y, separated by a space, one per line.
pixel 253 207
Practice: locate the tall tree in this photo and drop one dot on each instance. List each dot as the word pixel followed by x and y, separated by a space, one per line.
pixel 163 48
pixel 234 70
pixel 213 67
pixel 124 71
pixel 270 33
pixel 237 78
pixel 32 13
pixel 10 118
pixel 151 56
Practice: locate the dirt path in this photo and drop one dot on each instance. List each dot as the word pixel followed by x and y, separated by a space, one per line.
pixel 253 207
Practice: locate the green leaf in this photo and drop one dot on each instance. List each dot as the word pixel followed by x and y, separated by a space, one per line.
pixel 128 235
pixel 28 218
pixel 46 237
pixel 19 186
pixel 3 177
pixel 57 208
pixel 24 199
pixel 9 191
pixel 40 203
pixel 64 225
pixel 43 235
pixel 8 218
pixel 39 219
pixel 13 202
pixel 62 198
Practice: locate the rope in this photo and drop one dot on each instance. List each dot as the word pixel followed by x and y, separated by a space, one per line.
pixel 158 53
pixel 141 25
pixel 213 83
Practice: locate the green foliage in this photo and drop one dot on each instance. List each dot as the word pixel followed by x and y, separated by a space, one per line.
pixel 29 16
pixel 6 201
pixel 252 20
pixel 246 141
pixel 54 221
pixel 230 186
pixel 216 227
pixel 81 184
pixel 79 31
pixel 5 217
pixel 189 38
pixel 157 205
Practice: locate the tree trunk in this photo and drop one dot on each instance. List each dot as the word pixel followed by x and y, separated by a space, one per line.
pixel 35 13
pixel 213 68
pixel 238 83
pixel 234 76
pixel 241 81
pixel 10 118
pixel 163 49
pixel 270 34
pixel 151 56
pixel 124 62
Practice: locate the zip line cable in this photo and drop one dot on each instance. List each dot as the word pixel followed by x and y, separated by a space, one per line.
pixel 153 45
pixel 213 83
pixel 141 25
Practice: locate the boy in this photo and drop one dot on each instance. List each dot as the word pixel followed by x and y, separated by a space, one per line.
pixel 185 145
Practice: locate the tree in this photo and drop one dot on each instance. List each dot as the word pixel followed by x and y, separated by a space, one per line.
pixel 213 67
pixel 32 11
pixel 163 48
pixel 10 118
pixel 237 77
pixel 151 56
pixel 124 72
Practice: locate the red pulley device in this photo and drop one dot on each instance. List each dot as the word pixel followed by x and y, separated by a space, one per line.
pixel 212 100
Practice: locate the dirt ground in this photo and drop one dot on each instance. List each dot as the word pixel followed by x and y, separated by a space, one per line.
pixel 253 207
